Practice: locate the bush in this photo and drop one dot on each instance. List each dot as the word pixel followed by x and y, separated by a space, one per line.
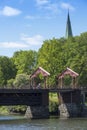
pixel 53 107
pixel 21 81
pixel 18 109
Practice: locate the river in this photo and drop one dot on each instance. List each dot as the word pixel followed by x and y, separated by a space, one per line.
pixel 20 123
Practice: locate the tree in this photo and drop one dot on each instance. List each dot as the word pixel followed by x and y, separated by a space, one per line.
pixel 21 81
pixel 7 69
pixel 50 57
pixel 57 54
pixel 25 61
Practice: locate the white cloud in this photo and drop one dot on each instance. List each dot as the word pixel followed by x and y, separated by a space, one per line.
pixel 52 7
pixel 9 11
pixel 47 5
pixel 42 2
pixel 32 17
pixel 67 6
pixel 26 42
pixel 13 45
pixel 33 41
pixel 38 17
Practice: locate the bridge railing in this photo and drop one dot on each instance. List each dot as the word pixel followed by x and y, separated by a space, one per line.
pixel 41 87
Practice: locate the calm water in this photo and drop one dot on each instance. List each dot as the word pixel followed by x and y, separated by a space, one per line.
pixel 19 123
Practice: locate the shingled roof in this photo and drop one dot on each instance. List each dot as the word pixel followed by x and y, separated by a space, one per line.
pixel 68 71
pixel 38 71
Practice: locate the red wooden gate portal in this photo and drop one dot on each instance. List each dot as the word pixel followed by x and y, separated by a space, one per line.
pixel 70 72
pixel 38 71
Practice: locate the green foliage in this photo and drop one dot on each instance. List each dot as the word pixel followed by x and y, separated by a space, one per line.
pixel 67 80
pixel 25 61
pixel 4 110
pixel 53 102
pixel 53 106
pixel 7 69
pixel 17 109
pixel 57 54
pixel 54 56
pixel 50 57
pixel 10 83
pixel 21 81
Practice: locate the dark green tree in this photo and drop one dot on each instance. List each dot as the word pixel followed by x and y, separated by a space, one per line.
pixel 7 69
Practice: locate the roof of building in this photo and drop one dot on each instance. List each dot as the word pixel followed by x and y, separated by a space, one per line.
pixel 38 71
pixel 68 71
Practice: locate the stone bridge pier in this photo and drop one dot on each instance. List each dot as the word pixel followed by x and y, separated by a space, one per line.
pixel 40 110
pixel 70 103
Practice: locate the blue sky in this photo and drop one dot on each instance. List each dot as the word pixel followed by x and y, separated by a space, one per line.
pixel 25 24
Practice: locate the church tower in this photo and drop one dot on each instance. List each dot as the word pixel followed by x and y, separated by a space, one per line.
pixel 68 28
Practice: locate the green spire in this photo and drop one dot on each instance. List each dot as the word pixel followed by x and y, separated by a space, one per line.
pixel 68 27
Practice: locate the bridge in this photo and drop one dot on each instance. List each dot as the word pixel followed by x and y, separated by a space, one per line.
pixel 29 97
pixel 71 99
pixel 38 100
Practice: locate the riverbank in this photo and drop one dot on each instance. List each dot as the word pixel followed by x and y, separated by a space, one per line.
pixel 4 110
pixel 8 110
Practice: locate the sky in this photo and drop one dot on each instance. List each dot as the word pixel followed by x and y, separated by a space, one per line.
pixel 25 24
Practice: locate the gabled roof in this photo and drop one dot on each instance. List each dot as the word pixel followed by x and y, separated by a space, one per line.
pixel 38 71
pixel 68 71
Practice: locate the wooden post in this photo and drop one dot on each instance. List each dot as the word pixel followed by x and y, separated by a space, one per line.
pixel 34 83
pixel 61 85
pixel 45 82
pixel 72 82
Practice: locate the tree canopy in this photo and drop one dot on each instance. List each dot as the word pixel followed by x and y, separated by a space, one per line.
pixel 25 61
pixel 54 56
pixel 57 54
pixel 7 70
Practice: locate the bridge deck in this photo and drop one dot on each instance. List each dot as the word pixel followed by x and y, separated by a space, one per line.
pixel 30 97
pixel 40 90
pixel 22 90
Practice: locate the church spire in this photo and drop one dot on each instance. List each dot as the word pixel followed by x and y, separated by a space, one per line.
pixel 68 27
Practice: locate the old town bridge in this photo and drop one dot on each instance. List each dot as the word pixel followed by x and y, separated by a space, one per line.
pixel 71 100
pixel 38 100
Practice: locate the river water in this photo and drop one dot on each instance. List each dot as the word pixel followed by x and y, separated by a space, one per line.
pixel 20 123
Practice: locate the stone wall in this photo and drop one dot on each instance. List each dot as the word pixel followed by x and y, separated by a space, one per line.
pixel 37 112
pixel 69 110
